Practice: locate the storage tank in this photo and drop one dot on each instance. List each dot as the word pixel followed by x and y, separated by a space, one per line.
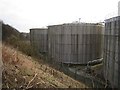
pixel 53 40
pixel 76 43
pixel 39 39
pixel 111 51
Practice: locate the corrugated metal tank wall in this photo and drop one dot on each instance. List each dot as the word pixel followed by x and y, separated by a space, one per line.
pixel 112 32
pixel 75 43
pixel 39 39
pixel 50 42
pixel 53 41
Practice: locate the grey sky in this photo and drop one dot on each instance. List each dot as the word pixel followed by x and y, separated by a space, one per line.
pixel 26 14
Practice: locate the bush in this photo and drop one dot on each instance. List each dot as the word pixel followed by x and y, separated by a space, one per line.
pixel 23 46
pixel 12 40
pixel 27 48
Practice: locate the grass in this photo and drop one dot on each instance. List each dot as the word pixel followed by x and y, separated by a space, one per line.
pixel 20 70
pixel 22 45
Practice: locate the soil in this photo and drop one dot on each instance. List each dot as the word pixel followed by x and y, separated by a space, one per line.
pixel 22 71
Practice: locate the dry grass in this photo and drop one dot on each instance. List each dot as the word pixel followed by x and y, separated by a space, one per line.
pixel 21 71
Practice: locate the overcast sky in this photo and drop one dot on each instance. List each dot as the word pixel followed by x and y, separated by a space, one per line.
pixel 26 14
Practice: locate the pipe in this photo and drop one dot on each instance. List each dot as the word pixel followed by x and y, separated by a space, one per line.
pixel 94 62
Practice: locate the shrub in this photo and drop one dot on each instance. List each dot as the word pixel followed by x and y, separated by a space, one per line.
pixel 22 45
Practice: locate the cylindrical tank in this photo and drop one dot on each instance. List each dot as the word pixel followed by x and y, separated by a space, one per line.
pixel 53 40
pixel 39 39
pixel 111 51
pixel 75 43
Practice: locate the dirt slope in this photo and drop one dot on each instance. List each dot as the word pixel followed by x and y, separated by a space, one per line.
pixel 21 71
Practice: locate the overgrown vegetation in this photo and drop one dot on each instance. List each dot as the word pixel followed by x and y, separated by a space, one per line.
pixel 23 46
pixel 17 40
pixel 23 72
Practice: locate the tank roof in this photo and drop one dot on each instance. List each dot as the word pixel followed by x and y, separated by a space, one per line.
pixel 76 24
pixel 113 19
pixel 38 28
